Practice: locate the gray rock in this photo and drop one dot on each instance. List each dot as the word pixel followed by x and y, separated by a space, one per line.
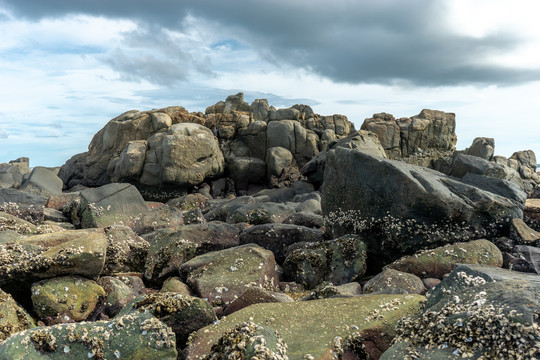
pixel 126 251
pixel 221 211
pixel 255 295
pixel 277 237
pixel 110 204
pixel 24 205
pixel 281 195
pixel 222 276
pixel 291 135
pixel 169 248
pixel 307 219
pixel 130 164
pixel 464 164
pixel 277 159
pixel 373 187
pixel 43 182
pixel 246 170
pixel 260 213
pixel 260 110
pixel 337 261
pixel 530 254
pixel 11 174
pixel 310 205
pixel 481 147
pixel 395 282
pixel 504 188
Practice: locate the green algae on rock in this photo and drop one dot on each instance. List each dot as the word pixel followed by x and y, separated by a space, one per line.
pixel 310 327
pixel 183 314
pixel 65 299
pixel 137 336
pixel 442 260
pixel 13 318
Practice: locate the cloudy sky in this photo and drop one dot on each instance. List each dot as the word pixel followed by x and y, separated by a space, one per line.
pixel 68 66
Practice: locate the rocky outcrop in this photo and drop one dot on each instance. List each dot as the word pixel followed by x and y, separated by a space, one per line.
pixel 367 194
pixel 419 140
pixel 171 147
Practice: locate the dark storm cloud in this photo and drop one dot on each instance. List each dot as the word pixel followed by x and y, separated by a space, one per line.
pixel 387 41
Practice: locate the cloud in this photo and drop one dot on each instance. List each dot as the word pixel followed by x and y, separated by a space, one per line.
pixel 385 42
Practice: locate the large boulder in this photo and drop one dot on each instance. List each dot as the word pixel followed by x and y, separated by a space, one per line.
pixel 420 139
pixel 481 147
pixel 22 204
pixel 43 181
pixel 315 329
pixel 169 248
pixel 11 174
pixel 367 194
pixel 291 135
pixel 185 155
pixel 108 205
pixel 13 318
pixel 222 276
pixel 277 237
pixel 477 312
pixel 132 336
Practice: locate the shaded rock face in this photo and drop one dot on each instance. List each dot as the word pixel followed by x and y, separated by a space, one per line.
pixel 419 139
pixel 359 187
pixel 12 173
pixel 171 147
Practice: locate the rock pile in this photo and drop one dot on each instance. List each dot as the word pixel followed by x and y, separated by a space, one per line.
pixel 260 233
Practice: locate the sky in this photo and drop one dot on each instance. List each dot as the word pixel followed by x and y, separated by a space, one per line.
pixel 69 66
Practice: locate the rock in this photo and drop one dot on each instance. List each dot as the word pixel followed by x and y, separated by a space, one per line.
pixel 307 219
pixel 277 160
pixel 260 213
pixel 24 205
pixel 277 237
pixel 481 147
pixel 282 195
pixel 10 222
pixel 395 282
pixel 349 289
pixel 126 251
pixel 59 201
pixel 222 209
pixel 54 216
pixel 188 202
pixel 366 195
pixel 430 283
pixel 291 135
pixel 117 296
pixel 531 255
pixel 13 318
pixel 440 261
pixel 311 206
pixel 255 295
pixel 133 336
pixel 337 261
pixel 361 140
pixel 130 164
pixel 419 140
pixel 175 284
pixel 42 181
pixel 75 252
pixel 462 312
pixel 504 188
pixel 66 299
pixel 110 204
pixel 249 341
pixel 11 174
pixel 183 314
pixel 311 327
pixel 247 171
pixel 169 248
pixel 194 216
pixel 158 218
pixel 464 164
pixel 526 163
pixel 221 276
pixel 260 110
pixel 519 231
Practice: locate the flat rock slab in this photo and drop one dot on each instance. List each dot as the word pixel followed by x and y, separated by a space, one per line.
pixel 310 327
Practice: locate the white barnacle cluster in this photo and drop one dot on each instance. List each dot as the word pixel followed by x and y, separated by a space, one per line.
pixel 468 328
pixel 471 280
pixel 234 343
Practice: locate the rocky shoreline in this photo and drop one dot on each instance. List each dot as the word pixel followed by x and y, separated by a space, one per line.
pixel 250 232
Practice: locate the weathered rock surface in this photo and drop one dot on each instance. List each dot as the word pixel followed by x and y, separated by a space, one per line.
pixel 394 282
pixel 66 299
pixel 311 327
pixel 359 187
pixel 442 260
pixel 12 173
pixel 126 251
pixel 337 261
pixel 133 336
pixel 260 213
pixel 42 181
pixel 169 248
pixel 222 276
pixel 13 318
pixel 277 237
pixel 108 205
pixel 183 314
pixel 481 147
pixel 24 205
pixel 419 139
pixel 255 295
pixel 464 309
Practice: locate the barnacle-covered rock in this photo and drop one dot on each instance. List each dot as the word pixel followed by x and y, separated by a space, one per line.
pixel 133 336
